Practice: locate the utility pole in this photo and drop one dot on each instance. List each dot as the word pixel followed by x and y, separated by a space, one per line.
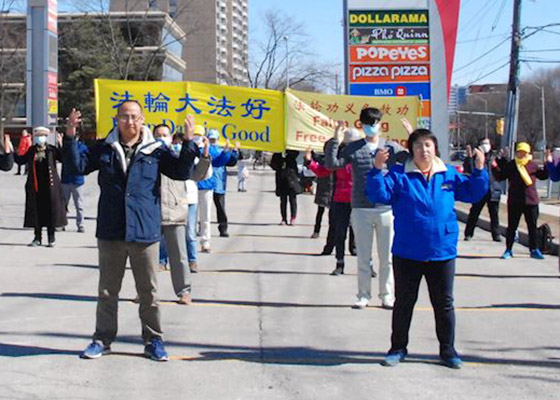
pixel 512 102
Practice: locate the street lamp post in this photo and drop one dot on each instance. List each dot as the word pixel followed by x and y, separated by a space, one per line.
pixel 287 63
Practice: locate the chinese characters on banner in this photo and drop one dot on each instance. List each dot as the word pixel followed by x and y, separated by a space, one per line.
pixel 311 117
pixel 389 54
pixel 253 117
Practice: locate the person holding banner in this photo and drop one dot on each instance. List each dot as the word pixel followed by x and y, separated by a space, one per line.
pixel 220 158
pixel 422 194
pixel 175 209
pixel 366 217
pixel 288 185
pixel 129 164
pixel 44 199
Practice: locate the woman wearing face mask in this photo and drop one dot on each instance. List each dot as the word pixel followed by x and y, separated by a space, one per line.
pixel 492 198
pixel 287 183
pixel 175 214
pixel 422 194
pixel 523 198
pixel 44 201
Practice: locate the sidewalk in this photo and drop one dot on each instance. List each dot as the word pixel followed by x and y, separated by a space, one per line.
pixel 549 211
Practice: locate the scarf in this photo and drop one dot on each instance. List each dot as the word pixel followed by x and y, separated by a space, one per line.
pixel 520 163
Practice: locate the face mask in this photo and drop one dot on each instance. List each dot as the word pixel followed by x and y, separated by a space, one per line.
pixel 371 130
pixel 166 140
pixel 39 140
pixel 177 147
pixel 485 147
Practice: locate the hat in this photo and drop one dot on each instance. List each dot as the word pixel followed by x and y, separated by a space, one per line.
pixel 523 146
pixel 199 130
pixel 351 135
pixel 41 130
pixel 212 134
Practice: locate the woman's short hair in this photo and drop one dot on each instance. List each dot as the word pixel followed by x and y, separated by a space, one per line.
pixel 421 134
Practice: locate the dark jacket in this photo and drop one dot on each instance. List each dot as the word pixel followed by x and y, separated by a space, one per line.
pixel 6 161
pixel 129 206
pixel 518 192
pixel 358 154
pixel 70 178
pixel 287 178
pixel 33 209
pixel 495 188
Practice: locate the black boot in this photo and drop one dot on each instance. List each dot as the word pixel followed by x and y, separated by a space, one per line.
pixel 339 270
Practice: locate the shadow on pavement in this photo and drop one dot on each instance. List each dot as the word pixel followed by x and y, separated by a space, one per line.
pixel 256 271
pixel 57 296
pixel 270 355
pixel 281 253
pixel 532 306
pixel 508 276
pixel 17 350
pixel 270 236
pixel 247 303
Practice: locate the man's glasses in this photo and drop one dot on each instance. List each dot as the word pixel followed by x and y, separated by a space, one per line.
pixel 126 118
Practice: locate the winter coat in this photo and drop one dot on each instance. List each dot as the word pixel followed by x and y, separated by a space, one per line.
pixel 6 161
pixel 324 191
pixel 219 160
pixel 37 208
pixel 175 195
pixel 553 171
pixel 426 227
pixel 495 187
pixel 70 178
pixel 342 182
pixel 220 173
pixel 24 145
pixel 286 176
pixel 518 191
pixel 129 206
pixel 358 155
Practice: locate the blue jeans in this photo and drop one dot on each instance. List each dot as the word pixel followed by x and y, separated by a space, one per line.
pixel 163 258
pixel 191 233
pixel 439 277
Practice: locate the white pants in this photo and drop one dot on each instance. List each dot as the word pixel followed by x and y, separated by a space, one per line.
pixel 366 221
pixel 204 212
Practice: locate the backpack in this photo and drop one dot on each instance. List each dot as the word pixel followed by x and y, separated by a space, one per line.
pixel 544 238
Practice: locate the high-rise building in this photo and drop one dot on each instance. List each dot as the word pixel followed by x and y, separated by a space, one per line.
pixel 216 42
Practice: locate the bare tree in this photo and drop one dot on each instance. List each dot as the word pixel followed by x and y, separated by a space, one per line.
pixel 284 45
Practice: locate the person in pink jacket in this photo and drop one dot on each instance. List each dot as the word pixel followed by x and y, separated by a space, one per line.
pixel 342 195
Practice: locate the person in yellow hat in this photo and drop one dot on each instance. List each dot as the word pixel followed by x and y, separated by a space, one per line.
pixel 523 199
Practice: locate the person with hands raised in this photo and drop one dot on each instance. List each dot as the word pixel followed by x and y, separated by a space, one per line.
pixel 369 220
pixel 6 154
pixel 422 195
pixel 130 163
pixel 523 199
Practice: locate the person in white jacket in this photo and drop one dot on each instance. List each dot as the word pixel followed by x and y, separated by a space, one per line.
pixel 174 215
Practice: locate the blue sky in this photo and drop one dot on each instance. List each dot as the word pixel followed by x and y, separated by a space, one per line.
pixel 483 24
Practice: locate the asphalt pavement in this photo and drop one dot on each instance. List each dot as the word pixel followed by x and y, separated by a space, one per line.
pixel 268 321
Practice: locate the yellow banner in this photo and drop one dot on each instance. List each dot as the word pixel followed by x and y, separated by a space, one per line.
pixel 311 117
pixel 253 117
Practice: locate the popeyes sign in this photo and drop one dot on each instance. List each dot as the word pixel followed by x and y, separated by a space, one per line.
pixel 392 53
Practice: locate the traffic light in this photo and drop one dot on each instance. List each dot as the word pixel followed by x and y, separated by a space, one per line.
pixel 500 126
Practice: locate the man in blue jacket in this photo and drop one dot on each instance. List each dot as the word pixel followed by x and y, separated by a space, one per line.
pixel 129 163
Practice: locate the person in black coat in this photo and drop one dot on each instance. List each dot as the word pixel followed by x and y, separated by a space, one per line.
pixel 6 155
pixel 492 198
pixel 44 204
pixel 287 183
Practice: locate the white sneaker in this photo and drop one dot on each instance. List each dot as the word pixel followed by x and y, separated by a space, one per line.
pixel 361 303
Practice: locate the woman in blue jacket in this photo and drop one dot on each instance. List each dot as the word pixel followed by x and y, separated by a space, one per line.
pixel 422 194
